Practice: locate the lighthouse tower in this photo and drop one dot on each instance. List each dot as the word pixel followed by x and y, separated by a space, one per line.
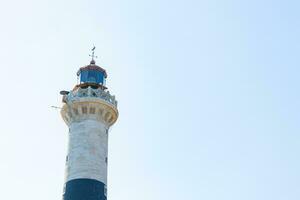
pixel 89 110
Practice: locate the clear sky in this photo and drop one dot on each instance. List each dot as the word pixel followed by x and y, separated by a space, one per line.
pixel 208 96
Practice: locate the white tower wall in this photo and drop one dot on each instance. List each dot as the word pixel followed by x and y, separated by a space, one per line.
pixel 87 151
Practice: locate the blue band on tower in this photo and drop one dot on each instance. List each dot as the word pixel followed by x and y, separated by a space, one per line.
pixel 85 189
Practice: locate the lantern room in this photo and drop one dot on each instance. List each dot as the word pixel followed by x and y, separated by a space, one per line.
pixel 92 74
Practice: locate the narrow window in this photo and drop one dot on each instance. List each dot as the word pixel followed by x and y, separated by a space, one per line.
pixel 84 110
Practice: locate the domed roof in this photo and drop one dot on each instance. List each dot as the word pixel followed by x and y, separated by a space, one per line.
pixel 92 66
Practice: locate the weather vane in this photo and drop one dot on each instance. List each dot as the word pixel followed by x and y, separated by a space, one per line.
pixel 93 53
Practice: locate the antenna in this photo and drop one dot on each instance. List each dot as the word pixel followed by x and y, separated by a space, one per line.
pixel 55 107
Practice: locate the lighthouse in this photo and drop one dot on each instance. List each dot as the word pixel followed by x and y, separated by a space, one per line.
pixel 89 110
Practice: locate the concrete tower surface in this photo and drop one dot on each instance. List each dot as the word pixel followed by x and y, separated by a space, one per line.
pixel 89 110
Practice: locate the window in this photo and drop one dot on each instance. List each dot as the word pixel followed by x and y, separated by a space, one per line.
pixel 84 110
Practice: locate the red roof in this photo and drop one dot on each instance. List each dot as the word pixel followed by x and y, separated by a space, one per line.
pixel 92 67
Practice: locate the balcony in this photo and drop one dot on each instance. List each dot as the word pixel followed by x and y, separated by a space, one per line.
pixel 89 92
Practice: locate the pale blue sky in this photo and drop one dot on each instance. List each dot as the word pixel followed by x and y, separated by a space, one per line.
pixel 208 96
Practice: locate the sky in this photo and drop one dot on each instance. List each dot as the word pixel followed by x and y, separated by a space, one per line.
pixel 207 91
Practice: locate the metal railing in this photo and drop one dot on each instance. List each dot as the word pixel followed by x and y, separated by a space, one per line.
pixel 90 92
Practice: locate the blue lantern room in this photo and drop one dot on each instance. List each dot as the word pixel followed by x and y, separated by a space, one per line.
pixel 92 74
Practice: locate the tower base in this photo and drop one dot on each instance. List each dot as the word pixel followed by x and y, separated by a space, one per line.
pixel 85 189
